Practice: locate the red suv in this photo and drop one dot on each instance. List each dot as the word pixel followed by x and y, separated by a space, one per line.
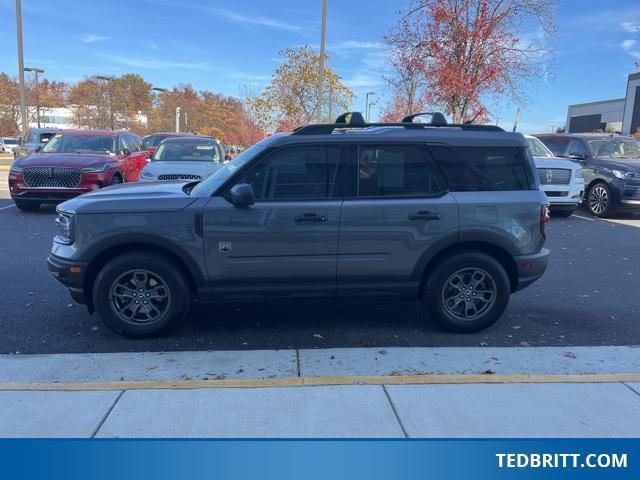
pixel 74 162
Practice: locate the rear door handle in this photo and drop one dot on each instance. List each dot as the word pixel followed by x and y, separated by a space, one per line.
pixel 310 217
pixel 424 216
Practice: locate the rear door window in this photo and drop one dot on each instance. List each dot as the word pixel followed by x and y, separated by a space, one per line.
pixel 468 169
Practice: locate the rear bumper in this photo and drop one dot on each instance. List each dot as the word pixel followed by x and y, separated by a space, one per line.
pixel 531 267
pixel 70 274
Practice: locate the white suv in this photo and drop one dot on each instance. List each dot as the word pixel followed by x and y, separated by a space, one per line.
pixel 561 180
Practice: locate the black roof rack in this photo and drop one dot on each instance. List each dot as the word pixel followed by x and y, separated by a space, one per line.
pixel 355 121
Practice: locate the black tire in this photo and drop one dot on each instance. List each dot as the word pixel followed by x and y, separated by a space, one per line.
pixel 116 179
pixel 562 213
pixel 489 308
pixel 600 200
pixel 109 293
pixel 27 206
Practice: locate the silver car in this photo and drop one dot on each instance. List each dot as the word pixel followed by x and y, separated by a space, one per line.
pixel 184 158
pixel 8 144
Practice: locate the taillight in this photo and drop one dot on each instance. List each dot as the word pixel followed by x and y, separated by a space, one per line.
pixel 544 219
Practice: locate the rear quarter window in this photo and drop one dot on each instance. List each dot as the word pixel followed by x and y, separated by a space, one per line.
pixel 470 169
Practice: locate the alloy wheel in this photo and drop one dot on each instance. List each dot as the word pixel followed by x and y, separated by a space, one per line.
pixel 598 199
pixel 139 297
pixel 469 294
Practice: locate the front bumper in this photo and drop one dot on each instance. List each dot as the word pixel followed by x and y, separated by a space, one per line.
pixel 19 190
pixel 531 267
pixel 70 273
pixel 564 196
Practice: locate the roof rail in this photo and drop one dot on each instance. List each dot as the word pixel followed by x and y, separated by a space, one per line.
pixel 355 121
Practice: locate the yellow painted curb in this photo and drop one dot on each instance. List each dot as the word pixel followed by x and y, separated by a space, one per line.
pixel 326 381
pixel 5 167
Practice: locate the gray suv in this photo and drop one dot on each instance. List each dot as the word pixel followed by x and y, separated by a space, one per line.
pixel 450 215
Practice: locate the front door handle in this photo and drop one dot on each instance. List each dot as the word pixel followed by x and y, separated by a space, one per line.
pixel 310 217
pixel 424 216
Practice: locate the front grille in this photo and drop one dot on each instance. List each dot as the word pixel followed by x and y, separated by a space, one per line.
pixel 556 194
pixel 51 177
pixel 179 176
pixel 554 176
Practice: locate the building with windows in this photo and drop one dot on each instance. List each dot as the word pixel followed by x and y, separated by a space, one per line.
pixel 616 115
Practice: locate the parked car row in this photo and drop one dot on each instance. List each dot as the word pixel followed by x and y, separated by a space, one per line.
pixel 72 162
pixel 611 166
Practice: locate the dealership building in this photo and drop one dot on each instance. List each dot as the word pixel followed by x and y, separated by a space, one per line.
pixel 616 115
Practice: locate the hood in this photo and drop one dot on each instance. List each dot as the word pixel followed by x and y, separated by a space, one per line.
pixel 157 167
pixel 73 160
pixel 555 162
pixel 631 164
pixel 131 198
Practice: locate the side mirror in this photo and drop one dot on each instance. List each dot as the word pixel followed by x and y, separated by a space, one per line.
pixel 227 158
pixel 126 152
pixel 241 195
pixel 37 149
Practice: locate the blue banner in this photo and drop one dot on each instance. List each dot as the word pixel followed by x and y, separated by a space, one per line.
pixel 320 459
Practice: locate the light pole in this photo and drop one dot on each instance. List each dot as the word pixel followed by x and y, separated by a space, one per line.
pixel 368 112
pixel 177 119
pixel 36 71
pixel 160 90
pixel 366 105
pixel 109 80
pixel 23 95
pixel 323 34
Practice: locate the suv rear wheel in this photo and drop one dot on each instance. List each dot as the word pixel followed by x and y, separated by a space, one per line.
pixel 141 294
pixel 467 292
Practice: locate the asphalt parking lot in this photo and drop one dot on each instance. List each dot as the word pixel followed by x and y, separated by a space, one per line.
pixel 587 297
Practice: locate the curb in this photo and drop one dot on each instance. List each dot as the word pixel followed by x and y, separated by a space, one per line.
pixel 322 381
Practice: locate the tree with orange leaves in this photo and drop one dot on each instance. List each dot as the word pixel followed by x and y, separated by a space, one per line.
pixel 458 54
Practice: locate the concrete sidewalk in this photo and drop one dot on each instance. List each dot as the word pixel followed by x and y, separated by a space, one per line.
pixel 395 392
pixel 461 410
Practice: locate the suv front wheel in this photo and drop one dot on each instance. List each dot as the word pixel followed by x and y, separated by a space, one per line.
pixel 467 292
pixel 141 294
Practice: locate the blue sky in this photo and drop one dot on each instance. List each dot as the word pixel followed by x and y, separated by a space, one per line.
pixel 224 46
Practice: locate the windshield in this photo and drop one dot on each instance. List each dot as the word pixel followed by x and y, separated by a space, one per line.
pixel 615 148
pixel 10 141
pixel 70 143
pixel 187 151
pixel 216 180
pixel 538 149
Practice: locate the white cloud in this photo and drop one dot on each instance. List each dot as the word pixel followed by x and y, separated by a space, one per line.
pixel 631 27
pixel 257 20
pixel 357 45
pixel 628 44
pixel 363 80
pixel 157 64
pixel 93 38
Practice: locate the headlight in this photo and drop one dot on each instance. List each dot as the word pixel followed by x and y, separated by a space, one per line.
pixel 579 174
pixel 97 168
pixel 16 169
pixel 146 174
pixel 64 223
pixel 619 174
